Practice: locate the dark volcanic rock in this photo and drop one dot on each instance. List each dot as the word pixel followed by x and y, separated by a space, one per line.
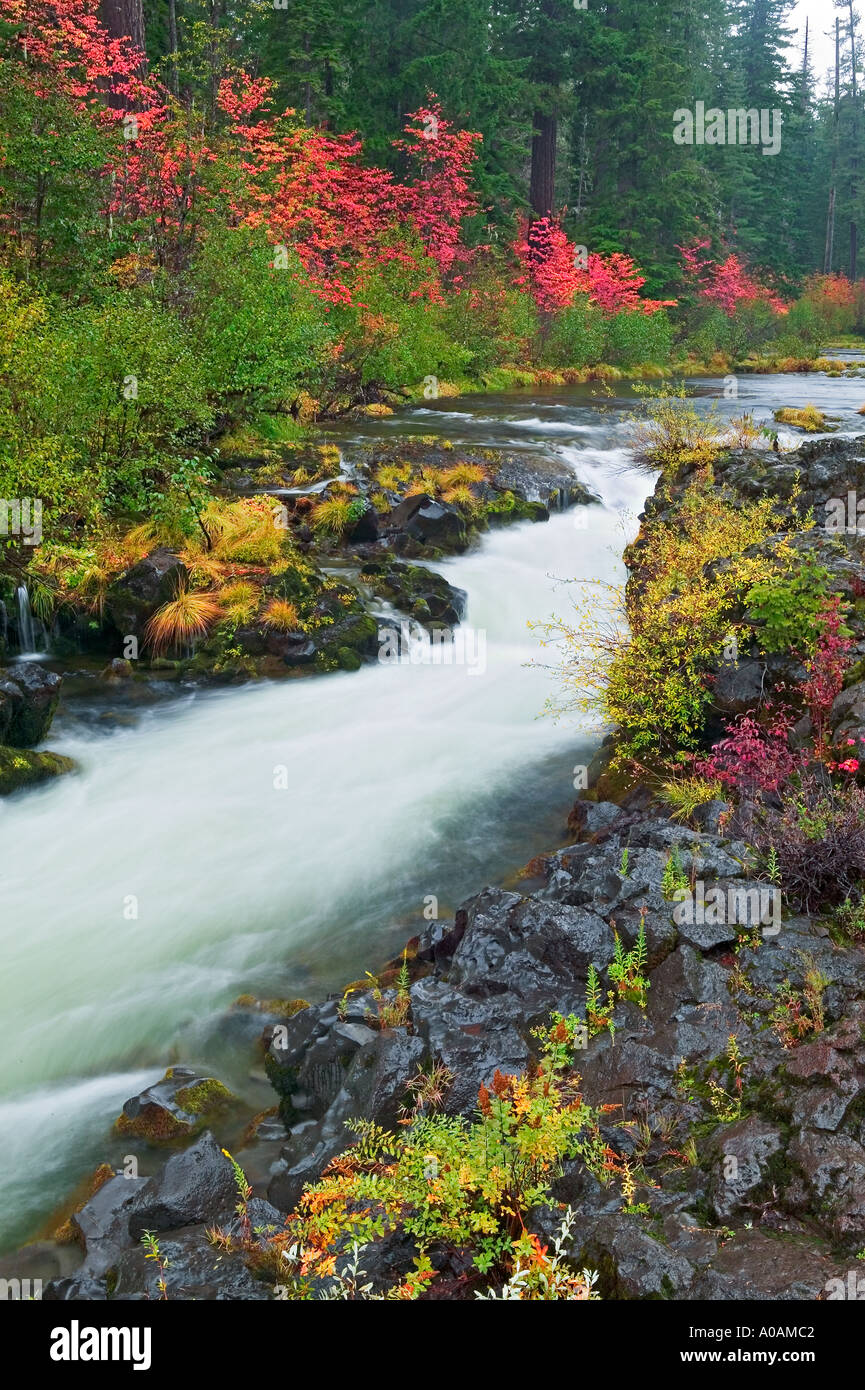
pixel 538 478
pixel 420 593
pixel 834 1168
pixel 196 1185
pixel 754 1265
pixel 179 1104
pixel 739 686
pixel 135 596
pixel 634 1263
pixel 743 1150
pixel 429 522
pixel 196 1270
pixel 518 945
pixel 28 699
pixel 104 1222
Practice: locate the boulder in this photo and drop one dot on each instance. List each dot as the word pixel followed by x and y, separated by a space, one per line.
pixel 179 1105
pixel 847 721
pixel 519 945
pixel 589 818
pixel 135 596
pixel 429 522
pixel 29 696
pixel 196 1185
pixel 195 1271
pixel 103 1223
pixel 739 686
pixel 423 595
pixel 21 767
pixel 365 528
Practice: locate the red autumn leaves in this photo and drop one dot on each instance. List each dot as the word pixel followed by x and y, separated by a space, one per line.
pixel 557 272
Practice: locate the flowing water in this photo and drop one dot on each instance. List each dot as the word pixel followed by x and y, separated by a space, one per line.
pixel 29 628
pixel 282 838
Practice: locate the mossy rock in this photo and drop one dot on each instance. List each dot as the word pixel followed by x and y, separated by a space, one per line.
pixel 347 642
pixel 176 1107
pixel 61 1226
pixel 282 1008
pixel 21 767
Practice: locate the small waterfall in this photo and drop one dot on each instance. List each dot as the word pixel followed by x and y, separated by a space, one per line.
pixel 27 624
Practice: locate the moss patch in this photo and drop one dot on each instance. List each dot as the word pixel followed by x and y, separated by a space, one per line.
pixel 21 767
pixel 204 1097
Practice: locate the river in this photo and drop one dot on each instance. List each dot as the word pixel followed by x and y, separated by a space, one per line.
pixel 142 896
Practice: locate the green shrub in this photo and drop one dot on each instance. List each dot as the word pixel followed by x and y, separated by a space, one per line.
pixel 635 338
pixel 262 332
pixel 577 337
pixel 785 610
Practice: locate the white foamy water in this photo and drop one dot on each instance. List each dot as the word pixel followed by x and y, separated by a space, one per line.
pixel 400 782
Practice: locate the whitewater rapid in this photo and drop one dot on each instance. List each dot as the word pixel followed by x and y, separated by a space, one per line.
pixel 276 839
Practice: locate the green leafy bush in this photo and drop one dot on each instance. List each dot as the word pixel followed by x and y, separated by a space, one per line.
pixel 785 609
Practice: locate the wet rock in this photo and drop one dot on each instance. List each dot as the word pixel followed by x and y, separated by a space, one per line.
pixel 474 1037
pixel 76 1288
pixel 520 945
pixel 29 696
pixel 739 686
pixel 311 1146
pixel 104 1222
pixel 834 1169
pixel 117 671
pixel 540 478
pixel 799 946
pixel 134 597
pixel 180 1104
pixel 265 1220
pixel 741 1164
pixel 708 816
pixel 590 817
pixel 429 522
pixel 847 719
pixel 294 648
pixel 195 1270
pixel 322 1072
pixel 22 767
pixel 365 528
pixel 439 940
pixel 196 1185
pixel 634 1263
pixel 423 595
pixel 756 1266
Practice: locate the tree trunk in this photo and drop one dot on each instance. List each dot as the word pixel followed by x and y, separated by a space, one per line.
pixel 172 44
pixel 830 233
pixel 854 162
pixel 125 19
pixel 830 216
pixel 542 189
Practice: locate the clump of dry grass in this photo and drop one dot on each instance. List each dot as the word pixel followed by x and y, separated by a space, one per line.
pixel 240 600
pixel 180 621
pixel 281 615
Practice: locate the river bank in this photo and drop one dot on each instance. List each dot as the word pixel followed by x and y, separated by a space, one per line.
pixel 448 1009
